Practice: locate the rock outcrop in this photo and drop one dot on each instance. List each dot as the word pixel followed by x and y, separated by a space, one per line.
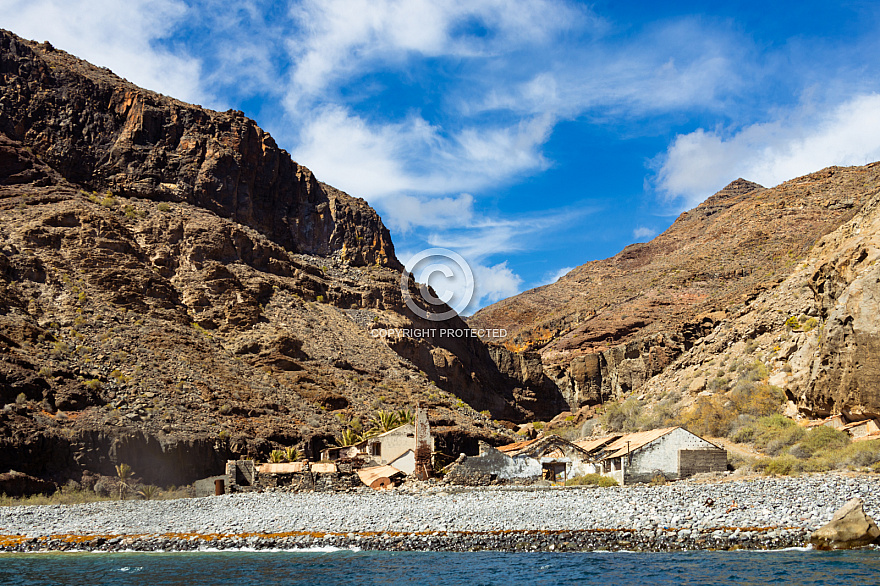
pixel 849 528
pixel 103 133
pixel 176 291
pixel 728 274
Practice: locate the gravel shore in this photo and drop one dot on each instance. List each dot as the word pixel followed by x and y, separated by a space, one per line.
pixel 756 513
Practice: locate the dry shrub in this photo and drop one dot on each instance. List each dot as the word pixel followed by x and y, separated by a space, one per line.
pixel 591 480
pixel 622 416
pixel 709 416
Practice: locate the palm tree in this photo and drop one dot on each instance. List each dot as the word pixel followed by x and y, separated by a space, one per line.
pixel 276 456
pixel 405 416
pixel 384 421
pixel 149 492
pixel 293 454
pixel 124 472
pixel 347 438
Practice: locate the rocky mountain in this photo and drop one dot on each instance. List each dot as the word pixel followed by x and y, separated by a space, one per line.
pixel 788 272
pixel 176 290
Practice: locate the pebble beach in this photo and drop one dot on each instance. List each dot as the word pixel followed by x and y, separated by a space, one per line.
pixel 759 513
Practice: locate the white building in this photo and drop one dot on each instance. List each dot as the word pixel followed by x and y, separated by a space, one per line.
pixel 672 452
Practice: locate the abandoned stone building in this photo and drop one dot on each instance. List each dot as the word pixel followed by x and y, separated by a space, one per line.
pixel 409 447
pixel 550 458
pixel 670 452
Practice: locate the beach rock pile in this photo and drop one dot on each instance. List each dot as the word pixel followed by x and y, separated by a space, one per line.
pixel 760 513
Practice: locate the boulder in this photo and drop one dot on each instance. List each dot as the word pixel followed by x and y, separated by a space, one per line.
pixel 849 528
pixel 18 484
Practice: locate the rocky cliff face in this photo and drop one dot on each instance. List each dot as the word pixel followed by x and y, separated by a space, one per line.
pixel 725 275
pixel 103 133
pixel 175 290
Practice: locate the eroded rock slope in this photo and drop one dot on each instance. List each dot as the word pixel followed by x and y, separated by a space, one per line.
pixel 727 274
pixel 175 290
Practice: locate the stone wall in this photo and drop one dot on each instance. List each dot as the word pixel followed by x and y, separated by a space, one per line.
pixel 662 456
pixel 490 466
pixel 692 462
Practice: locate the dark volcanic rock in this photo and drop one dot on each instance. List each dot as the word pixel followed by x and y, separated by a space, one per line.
pixel 175 290
pixel 14 483
pixel 103 133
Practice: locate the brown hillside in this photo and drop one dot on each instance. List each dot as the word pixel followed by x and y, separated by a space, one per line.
pixel 610 325
pixel 175 290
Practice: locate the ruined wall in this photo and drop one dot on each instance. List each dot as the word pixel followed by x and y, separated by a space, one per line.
pixel 692 462
pixel 662 455
pixel 492 465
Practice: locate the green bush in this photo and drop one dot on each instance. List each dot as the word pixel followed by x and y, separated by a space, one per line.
pixel 824 438
pixel 591 480
pixel 164 207
pixel 93 384
pixel 753 371
pixel 718 384
pixel 787 437
pixel 622 416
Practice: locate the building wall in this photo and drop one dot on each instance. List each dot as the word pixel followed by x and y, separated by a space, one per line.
pixel 493 465
pixel 692 462
pixel 406 462
pixel 662 455
pixel 394 444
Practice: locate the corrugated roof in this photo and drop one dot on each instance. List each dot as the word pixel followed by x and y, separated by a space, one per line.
pixel 593 444
pixel 370 475
pixel 867 438
pixel 633 441
pixel 516 445
pixel 856 424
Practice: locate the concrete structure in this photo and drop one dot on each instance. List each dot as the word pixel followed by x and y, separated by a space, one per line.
pixel 860 429
pixel 835 421
pixel 409 448
pixel 560 459
pixel 550 457
pixel 672 452
pixel 492 465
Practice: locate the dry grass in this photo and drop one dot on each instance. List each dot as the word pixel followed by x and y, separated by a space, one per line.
pixel 78 496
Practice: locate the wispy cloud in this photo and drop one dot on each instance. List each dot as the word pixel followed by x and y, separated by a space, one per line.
pixel 642 233
pixel 119 35
pixel 808 138
pixel 554 276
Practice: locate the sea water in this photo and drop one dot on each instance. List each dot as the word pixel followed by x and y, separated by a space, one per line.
pixel 326 567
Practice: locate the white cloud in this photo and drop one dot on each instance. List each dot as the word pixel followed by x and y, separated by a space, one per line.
pixel 698 164
pixel 671 66
pixel 492 283
pixel 377 160
pixel 554 276
pixel 118 35
pixel 642 233
pixel 348 36
pixel 404 212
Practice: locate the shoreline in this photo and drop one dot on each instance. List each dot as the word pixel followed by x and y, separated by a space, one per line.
pixel 523 541
pixel 754 514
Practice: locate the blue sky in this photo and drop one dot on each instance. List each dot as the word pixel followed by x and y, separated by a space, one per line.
pixel 530 136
